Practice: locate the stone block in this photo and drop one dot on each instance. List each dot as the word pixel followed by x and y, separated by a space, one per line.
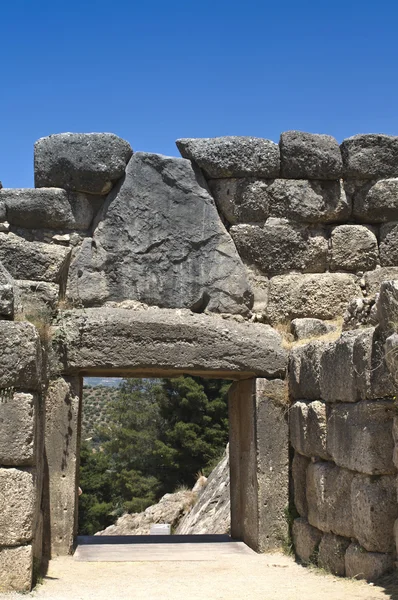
pixel 259 285
pixel 33 260
pixel 389 244
pixel 232 156
pixel 18 425
pixel 304 371
pixel 320 296
pixel 370 156
pixel 373 378
pixel 241 200
pixel 310 156
pixel 36 297
pixel 360 564
pixel 20 356
pixel 309 328
pixel 6 294
pixel 17 506
pixel 328 493
pixel 338 358
pixel 299 475
pixel 280 247
pixel 360 438
pixel 47 208
pixel 373 279
pixel 308 429
pixel 354 248
pixel 306 540
pixel 83 162
pixel 16 569
pixel 391 348
pixel 116 338
pixel 331 555
pixel 374 510
pixel 192 262
pixel 379 203
pixel 387 306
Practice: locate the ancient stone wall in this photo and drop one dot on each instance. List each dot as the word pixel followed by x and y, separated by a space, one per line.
pixel 103 269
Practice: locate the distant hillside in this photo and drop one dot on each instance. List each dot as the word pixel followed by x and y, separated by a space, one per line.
pixel 96 399
pixel 103 381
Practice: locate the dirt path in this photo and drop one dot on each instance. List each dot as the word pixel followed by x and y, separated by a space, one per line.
pixel 262 577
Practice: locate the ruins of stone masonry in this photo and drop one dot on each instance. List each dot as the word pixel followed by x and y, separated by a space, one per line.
pixel 274 265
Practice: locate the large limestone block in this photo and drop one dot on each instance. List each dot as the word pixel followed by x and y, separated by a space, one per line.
pixel 374 510
pixel 360 438
pixel 373 279
pixel 379 204
pixel 321 296
pixel 308 328
pixel 20 356
pixel 389 244
pixel 83 162
pixel 299 475
pixel 16 569
pixel 254 200
pixel 36 297
pixel 163 340
pixel 18 425
pixel 304 371
pixel 354 248
pixel 331 555
pixel 17 505
pixel 33 260
pixel 308 433
pixel 373 378
pixel 7 293
pixel 360 564
pixel 370 156
pixel 279 247
pixel 48 208
pixel 338 373
pixel 387 306
pixel 328 494
pixel 310 156
pixel 232 156
pixel 306 540
pixel 161 242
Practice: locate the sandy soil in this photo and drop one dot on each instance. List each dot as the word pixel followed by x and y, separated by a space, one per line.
pixel 259 577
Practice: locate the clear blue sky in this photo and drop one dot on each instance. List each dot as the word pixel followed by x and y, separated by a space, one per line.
pixel 154 71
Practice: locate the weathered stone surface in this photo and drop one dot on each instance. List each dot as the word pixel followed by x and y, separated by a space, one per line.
pixel 328 491
pixel 36 297
pixel 320 296
pixel 331 555
pixel 280 247
pixel 306 539
pixel 304 371
pixel 389 244
pixel 299 475
pixel 361 312
pixel 387 306
pixel 369 156
pixel 254 200
pixel 212 511
pixel 379 204
pixel 308 429
pixel 310 156
pixel 161 241
pixel 374 510
pixel 310 328
pixel 391 348
pixel 33 260
pixel 366 565
pixel 259 285
pixel 373 279
pixel 16 569
pixel 17 500
pixel 354 248
pixel 20 356
pixel 17 419
pixel 359 436
pixel 141 339
pixel 232 156
pixel 83 162
pixel 338 358
pixel 6 293
pixel 373 379
pixel 48 208
pixel 62 451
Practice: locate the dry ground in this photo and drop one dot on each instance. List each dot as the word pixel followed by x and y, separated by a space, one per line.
pixel 259 577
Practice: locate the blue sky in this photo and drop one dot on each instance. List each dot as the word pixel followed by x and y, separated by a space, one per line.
pixel 155 71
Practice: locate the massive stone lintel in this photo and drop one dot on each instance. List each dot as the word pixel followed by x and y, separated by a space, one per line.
pixel 162 341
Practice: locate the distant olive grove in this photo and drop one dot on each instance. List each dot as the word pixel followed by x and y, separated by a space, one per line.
pixel 146 438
